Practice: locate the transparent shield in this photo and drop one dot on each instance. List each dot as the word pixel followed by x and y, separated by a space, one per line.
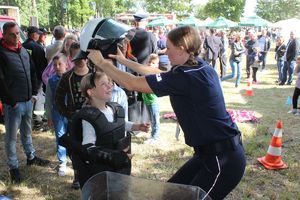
pixel 114 186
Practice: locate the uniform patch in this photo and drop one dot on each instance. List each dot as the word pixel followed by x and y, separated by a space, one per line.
pixel 158 77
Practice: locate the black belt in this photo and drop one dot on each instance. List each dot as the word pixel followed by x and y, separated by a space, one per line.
pixel 229 144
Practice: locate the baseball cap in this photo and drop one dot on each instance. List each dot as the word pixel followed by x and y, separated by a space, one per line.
pixel 43 30
pixel 80 55
pixel 140 17
pixel 33 29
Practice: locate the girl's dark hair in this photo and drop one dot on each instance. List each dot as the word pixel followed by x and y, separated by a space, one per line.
pixel 189 39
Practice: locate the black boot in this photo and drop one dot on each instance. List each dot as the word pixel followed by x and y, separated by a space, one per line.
pixel 15 176
pixel 75 185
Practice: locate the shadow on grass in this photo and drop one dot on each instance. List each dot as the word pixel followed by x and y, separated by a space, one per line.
pixel 37 181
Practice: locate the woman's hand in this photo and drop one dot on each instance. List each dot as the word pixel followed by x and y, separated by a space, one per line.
pixel 144 127
pixel 119 56
pixel 96 57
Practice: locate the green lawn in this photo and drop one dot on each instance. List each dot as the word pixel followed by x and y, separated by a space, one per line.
pixel 160 161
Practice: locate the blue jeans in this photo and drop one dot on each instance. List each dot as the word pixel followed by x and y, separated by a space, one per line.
pixel 264 59
pixel 288 68
pixel 18 118
pixel 280 64
pixel 60 128
pixel 235 72
pixel 154 116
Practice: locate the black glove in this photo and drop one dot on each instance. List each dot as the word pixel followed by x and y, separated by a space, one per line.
pixel 65 141
pixel 74 147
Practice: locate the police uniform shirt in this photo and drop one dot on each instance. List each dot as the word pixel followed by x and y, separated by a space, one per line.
pixel 143 44
pixel 197 99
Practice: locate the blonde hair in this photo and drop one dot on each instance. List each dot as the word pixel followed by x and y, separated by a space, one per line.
pixel 189 38
pixel 88 82
pixel 63 47
pixel 60 56
pixel 153 56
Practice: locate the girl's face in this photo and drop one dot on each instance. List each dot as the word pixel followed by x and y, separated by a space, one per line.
pixel 60 66
pixel 68 44
pixel 103 89
pixel 177 55
pixel 153 63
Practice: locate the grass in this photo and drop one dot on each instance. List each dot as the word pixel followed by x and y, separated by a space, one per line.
pixel 158 162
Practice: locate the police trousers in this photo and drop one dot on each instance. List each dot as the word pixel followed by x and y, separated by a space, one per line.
pixel 217 174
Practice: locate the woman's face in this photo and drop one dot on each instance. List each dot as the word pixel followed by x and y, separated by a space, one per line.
pixel 177 55
pixel 103 89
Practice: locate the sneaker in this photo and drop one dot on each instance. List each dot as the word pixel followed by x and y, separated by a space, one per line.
pixel 297 113
pixel 38 161
pixel 293 111
pixel 75 185
pixel 15 176
pixel 254 82
pixel 62 170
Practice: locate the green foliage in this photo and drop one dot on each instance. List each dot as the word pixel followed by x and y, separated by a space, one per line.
pixel 199 12
pixel 109 8
pixel 78 13
pixel 55 15
pixel 230 9
pixel 276 10
pixel 179 7
pixel 43 7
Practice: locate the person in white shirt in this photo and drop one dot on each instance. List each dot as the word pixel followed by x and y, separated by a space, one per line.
pixel 98 130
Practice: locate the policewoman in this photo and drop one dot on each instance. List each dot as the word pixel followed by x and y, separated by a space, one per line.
pixel 218 163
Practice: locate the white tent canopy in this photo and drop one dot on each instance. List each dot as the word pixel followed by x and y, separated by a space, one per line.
pixel 287 23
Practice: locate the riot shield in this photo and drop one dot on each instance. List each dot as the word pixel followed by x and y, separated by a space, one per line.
pixel 114 186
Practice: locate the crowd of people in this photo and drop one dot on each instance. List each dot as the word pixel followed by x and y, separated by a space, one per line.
pixel 76 88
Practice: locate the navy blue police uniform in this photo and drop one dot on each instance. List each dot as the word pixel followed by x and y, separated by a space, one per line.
pixel 196 96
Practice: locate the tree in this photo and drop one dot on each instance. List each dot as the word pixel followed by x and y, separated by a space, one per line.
pixel 179 7
pixel 109 8
pixel 78 13
pixel 230 9
pixel 276 10
pixel 199 12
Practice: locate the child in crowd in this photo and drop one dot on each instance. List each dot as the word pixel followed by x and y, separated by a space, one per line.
pixel 99 127
pixel 66 50
pixel 69 98
pixel 296 110
pixel 55 120
pixel 255 63
pixel 152 105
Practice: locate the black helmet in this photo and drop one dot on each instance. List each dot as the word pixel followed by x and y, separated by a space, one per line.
pixel 103 35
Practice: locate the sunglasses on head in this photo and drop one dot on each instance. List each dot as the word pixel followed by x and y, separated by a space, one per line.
pixel 92 79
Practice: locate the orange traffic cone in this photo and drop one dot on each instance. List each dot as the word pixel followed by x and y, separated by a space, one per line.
pixel 273 158
pixel 249 89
